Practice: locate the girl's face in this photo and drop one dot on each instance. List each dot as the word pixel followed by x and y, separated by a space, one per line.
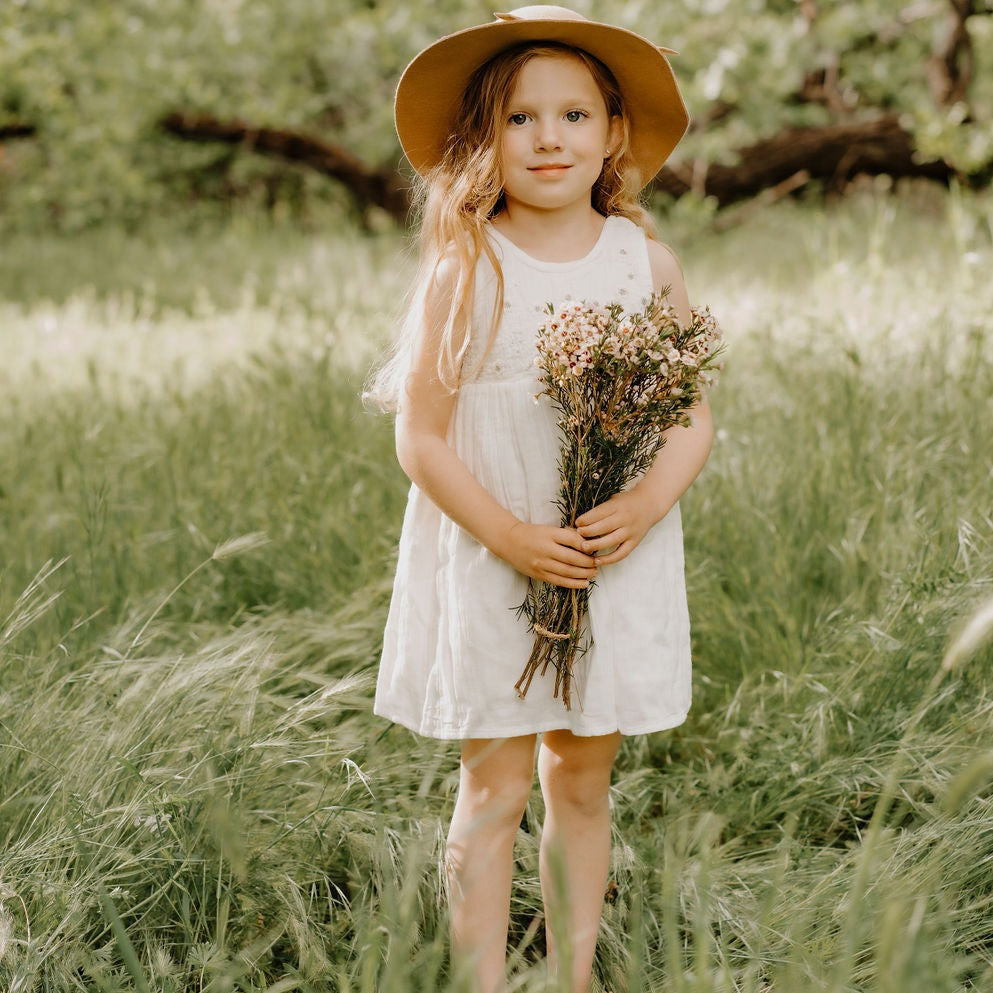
pixel 556 134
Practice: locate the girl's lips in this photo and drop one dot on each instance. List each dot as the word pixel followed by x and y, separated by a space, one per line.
pixel 548 168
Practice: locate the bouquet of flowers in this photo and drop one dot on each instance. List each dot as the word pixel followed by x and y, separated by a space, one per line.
pixel 618 380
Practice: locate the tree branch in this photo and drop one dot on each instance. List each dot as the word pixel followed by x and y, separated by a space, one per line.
pixel 17 129
pixel 833 153
pixel 950 68
pixel 370 187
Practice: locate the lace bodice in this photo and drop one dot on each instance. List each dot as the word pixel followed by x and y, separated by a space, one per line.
pixel 615 269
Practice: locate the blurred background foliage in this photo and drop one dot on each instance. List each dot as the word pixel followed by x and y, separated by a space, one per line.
pixel 84 88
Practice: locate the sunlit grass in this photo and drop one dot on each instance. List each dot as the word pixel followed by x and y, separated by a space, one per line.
pixel 168 310
pixel 198 519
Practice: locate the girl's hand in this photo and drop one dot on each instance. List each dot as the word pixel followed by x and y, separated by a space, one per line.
pixel 553 555
pixel 618 525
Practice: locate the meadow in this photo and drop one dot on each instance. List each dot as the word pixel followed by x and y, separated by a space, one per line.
pixel 198 521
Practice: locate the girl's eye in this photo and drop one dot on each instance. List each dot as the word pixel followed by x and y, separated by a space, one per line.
pixel 518 119
pixel 573 116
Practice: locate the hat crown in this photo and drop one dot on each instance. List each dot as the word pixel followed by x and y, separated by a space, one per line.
pixel 541 12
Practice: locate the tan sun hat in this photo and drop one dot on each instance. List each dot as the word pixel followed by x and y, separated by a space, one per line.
pixel 431 87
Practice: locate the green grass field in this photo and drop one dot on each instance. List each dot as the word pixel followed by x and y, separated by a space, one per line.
pixel 197 523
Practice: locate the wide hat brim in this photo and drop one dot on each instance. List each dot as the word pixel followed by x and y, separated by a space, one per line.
pixel 431 88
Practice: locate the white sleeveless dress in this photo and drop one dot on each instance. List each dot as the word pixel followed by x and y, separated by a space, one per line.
pixel 453 646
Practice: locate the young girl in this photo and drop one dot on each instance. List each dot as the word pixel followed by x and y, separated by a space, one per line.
pixel 534 135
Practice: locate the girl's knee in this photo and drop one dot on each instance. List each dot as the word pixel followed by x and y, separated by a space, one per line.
pixel 578 789
pixel 576 771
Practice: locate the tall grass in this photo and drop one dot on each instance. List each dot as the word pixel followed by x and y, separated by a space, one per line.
pixel 197 541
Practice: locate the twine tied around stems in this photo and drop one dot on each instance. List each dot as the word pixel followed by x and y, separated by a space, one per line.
pixel 557 640
pixel 554 635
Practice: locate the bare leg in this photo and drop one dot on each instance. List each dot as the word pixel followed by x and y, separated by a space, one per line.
pixel 494 785
pixel 575 778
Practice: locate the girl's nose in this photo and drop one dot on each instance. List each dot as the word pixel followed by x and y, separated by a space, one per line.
pixel 547 136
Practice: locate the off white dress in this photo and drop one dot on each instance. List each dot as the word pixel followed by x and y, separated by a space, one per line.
pixel 453 646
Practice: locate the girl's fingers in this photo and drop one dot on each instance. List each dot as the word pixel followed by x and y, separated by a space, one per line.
pixel 569 584
pixel 569 556
pixel 566 572
pixel 590 519
pixel 570 568
pixel 620 552
pixel 598 527
pixel 562 575
pixel 611 530
pixel 567 581
pixel 570 538
pixel 573 548
pixel 598 515
pixel 605 541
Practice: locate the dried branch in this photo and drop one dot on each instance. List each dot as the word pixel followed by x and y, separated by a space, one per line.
pixel 833 153
pixel 371 187
pixel 17 129
pixel 950 68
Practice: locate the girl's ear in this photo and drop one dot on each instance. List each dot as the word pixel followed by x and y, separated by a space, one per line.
pixel 615 133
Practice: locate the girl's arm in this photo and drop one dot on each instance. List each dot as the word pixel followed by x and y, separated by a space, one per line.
pixel 547 553
pixel 620 523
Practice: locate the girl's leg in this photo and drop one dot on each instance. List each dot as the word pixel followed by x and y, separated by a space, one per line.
pixel 494 786
pixel 575 777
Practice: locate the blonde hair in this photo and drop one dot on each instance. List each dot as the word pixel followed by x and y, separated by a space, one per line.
pixel 465 190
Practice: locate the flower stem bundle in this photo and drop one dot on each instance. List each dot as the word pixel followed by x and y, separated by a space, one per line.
pixel 618 381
